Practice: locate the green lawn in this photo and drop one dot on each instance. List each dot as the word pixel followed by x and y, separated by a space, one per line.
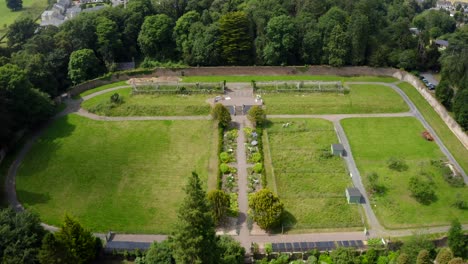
pixel 120 176
pixel 375 140
pixel 310 183
pixel 450 140
pixel 31 8
pixel 369 98
pixel 260 78
pixel 149 105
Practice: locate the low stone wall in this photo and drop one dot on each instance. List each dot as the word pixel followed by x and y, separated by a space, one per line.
pixel 290 70
pixel 439 108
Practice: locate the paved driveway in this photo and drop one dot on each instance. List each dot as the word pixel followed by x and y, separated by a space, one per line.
pixel 430 77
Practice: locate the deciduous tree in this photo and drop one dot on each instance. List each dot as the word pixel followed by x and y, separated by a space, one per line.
pixel 236 42
pixel 221 114
pixel 457 241
pixel 266 209
pixel 219 202
pixel 155 38
pixel 83 65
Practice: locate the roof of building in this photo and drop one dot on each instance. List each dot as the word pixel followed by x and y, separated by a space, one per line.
pixel 338 147
pixel 442 42
pixel 353 191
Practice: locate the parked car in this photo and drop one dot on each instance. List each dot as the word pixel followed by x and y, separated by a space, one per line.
pixel 431 87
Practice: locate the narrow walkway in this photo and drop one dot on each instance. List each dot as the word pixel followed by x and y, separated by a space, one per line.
pixel 242 184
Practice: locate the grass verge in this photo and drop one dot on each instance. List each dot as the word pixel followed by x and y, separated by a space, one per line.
pixel 31 8
pixel 120 176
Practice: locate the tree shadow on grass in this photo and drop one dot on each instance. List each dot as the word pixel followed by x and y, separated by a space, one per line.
pixel 288 221
pixel 32 198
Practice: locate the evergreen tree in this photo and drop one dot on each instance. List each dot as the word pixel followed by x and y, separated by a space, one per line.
pixel 221 114
pixel 195 238
pixel 337 47
pixel 236 42
pixel 444 256
pixel 266 209
pixel 219 202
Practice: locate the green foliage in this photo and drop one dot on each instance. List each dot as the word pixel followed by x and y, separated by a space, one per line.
pixel 256 157
pixel 403 258
pixel 221 114
pixel 456 261
pixel 268 248
pixel 109 39
pixel 71 244
pixel 219 202
pixel 457 241
pixel 424 257
pixel 231 252
pixel 236 44
pixel 224 168
pixel 460 108
pixel 14 5
pixel 413 246
pixel 257 115
pixel 444 94
pixel 20 236
pixel 344 256
pixel 116 99
pixel 83 65
pixel 444 256
pixel 422 190
pixel 281 40
pixel 258 167
pixel 397 164
pixel 160 253
pixel 224 157
pixel 337 47
pixel 194 239
pixel 20 31
pixel 155 38
pixel 266 209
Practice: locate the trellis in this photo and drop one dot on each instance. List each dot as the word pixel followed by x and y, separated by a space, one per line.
pixel 177 88
pixel 302 87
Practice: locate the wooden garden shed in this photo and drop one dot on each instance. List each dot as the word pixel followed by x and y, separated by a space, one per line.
pixel 337 150
pixel 353 195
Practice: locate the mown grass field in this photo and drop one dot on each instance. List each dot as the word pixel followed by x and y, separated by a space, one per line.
pixel 264 78
pixel 450 140
pixel 309 182
pixel 369 98
pixel 373 142
pixel 149 105
pixel 120 176
pixel 31 8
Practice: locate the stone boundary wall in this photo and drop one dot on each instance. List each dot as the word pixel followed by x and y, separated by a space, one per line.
pixel 290 70
pixel 439 108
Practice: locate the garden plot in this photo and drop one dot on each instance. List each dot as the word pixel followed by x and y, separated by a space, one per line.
pixel 309 180
pixel 120 176
pixel 227 169
pixel 148 105
pixel 368 98
pixel 395 150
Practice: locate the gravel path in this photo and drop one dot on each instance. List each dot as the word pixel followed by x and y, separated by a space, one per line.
pixel 242 166
pixel 143 241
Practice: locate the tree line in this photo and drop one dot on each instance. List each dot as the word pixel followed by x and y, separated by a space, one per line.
pixel 215 32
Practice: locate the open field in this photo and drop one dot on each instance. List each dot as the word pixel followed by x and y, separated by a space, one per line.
pixel 374 141
pixel 31 8
pixel 369 98
pixel 309 181
pixel 450 140
pixel 120 176
pixel 264 78
pixel 149 105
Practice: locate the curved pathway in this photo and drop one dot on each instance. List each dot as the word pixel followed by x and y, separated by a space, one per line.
pixel 74 106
